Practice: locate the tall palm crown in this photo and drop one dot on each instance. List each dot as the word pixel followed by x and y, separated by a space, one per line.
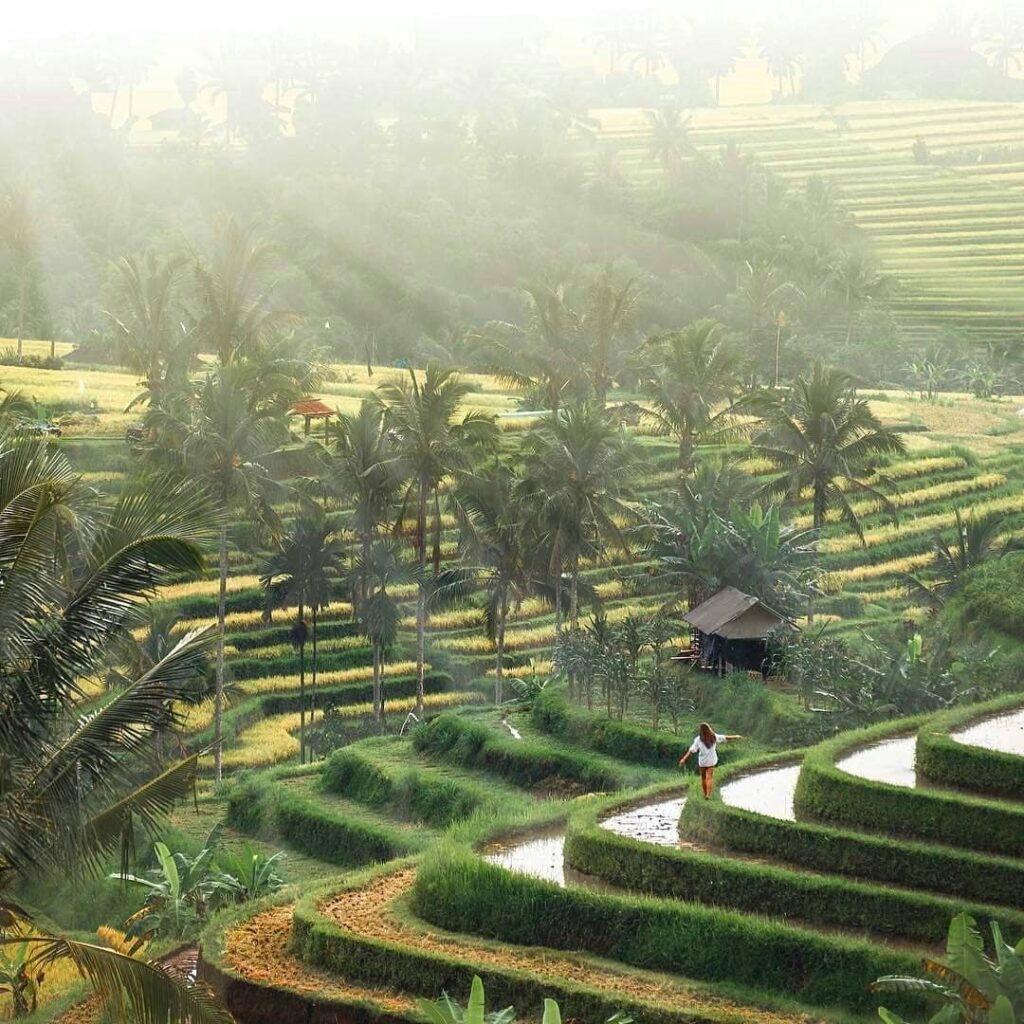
pixel 495 542
pixel 19 230
pixel 217 431
pixel 821 433
pixel 154 342
pixel 697 375
pixel 302 572
pixel 381 567
pixel 74 786
pixel 578 468
pixel 236 317
pixel 431 442
pixel 363 472
pixel 542 357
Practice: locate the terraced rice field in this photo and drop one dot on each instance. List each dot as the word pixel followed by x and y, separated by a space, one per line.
pixel 950 233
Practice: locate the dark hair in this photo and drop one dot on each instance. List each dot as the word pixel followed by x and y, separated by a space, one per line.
pixel 707 735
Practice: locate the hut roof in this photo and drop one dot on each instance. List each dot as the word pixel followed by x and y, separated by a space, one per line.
pixel 736 616
pixel 312 407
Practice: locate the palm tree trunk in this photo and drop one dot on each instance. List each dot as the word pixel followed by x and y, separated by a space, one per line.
pixel 574 592
pixel 499 649
pixel 22 288
pixel 312 685
pixel 378 690
pixel 558 593
pixel 421 594
pixel 218 698
pixel 302 685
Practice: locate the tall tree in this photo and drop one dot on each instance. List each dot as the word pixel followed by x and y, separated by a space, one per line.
pixel 364 472
pixel 379 568
pixel 237 317
pixel 821 434
pixel 432 441
pixel 217 432
pixel 579 464
pixel 74 788
pixel 19 229
pixel 154 340
pixel 693 379
pixel 303 572
pixel 543 357
pixel 607 315
pixel 494 542
pixel 669 139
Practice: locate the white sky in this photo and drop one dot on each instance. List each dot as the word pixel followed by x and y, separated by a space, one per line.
pixel 72 18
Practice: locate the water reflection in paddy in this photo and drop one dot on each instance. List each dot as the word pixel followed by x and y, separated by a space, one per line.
pixel 890 761
pixel 1004 733
pixel 769 792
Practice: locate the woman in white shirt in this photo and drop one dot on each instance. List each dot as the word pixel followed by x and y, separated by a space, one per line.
pixel 705 746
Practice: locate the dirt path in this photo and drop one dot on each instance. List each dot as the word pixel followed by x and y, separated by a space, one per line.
pixel 258 950
pixel 367 913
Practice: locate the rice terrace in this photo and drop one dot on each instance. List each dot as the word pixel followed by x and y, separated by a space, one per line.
pixel 512 515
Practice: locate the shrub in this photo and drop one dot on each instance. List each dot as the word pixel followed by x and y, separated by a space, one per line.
pixel 756 887
pixel 459 891
pixel 472 745
pixel 825 793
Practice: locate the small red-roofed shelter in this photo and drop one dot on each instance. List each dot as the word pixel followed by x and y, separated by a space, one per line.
pixel 313 409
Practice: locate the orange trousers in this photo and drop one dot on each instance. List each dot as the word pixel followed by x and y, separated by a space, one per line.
pixel 707 779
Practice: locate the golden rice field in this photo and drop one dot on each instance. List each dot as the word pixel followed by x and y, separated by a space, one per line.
pixel 238 622
pixel 921 524
pixel 908 499
pixel 328 646
pixel 272 740
pixel 525 639
pixel 837 579
pixel 290 682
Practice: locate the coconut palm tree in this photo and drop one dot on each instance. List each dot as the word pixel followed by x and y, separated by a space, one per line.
pixel 217 432
pixel 154 340
pixel 431 442
pixel 19 230
pixel 74 788
pixel 302 572
pixel 380 568
pixel 977 539
pixel 236 316
pixel 821 434
pixel 858 283
pixel 542 358
pixel 607 315
pixel 1004 40
pixel 363 471
pixel 494 541
pixel 579 464
pixel 694 378
pixel 669 136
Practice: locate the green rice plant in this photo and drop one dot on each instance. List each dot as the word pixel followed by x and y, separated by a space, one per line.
pixel 944 760
pixel 459 891
pixel 458 740
pixel 826 793
pixel 765 887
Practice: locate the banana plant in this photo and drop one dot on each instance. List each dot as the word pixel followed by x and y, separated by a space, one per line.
pixel 447 1011
pixel 180 891
pixel 16 978
pixel 973 988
